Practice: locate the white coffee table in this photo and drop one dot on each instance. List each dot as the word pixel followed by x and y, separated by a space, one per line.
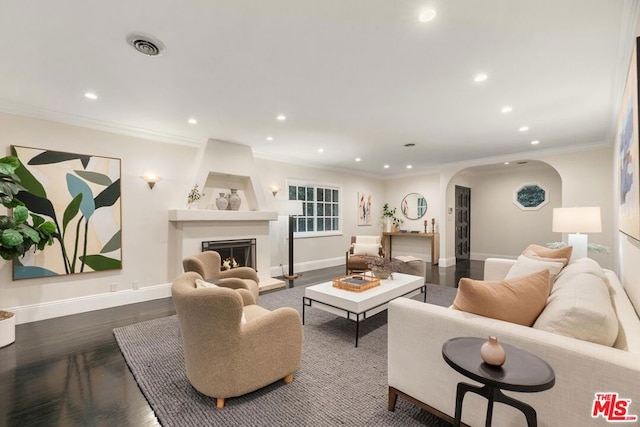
pixel 357 306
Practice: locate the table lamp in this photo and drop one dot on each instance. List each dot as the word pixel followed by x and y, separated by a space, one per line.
pixel 576 221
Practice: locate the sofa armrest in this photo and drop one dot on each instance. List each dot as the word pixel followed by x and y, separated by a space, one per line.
pixel 416 367
pixel 497 268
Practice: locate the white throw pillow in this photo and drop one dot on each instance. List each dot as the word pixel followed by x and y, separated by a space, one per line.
pixel 525 266
pixel 204 284
pixel 366 249
pixel 368 240
pixel 579 306
pixel 243 320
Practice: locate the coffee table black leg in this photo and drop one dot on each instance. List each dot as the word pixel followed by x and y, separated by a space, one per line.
pixel 357 328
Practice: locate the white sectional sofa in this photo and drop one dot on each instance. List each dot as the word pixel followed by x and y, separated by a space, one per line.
pixel 418 373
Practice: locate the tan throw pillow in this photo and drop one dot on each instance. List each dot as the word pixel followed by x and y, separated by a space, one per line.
pixel 547 254
pixel 519 300
pixel 366 249
pixel 525 265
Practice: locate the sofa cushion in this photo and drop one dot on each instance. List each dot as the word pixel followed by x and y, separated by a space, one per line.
pixel 579 305
pixel 518 300
pixel 525 265
pixel 547 254
pixel 366 249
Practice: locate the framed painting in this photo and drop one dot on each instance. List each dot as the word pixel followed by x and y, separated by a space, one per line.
pixel 530 197
pixel 628 152
pixel 364 209
pixel 81 194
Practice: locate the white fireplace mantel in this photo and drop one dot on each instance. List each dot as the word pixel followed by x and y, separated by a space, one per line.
pixel 177 215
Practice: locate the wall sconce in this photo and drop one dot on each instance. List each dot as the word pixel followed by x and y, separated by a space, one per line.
pixel 274 189
pixel 151 179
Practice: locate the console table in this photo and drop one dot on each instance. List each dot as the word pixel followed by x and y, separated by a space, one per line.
pixel 435 243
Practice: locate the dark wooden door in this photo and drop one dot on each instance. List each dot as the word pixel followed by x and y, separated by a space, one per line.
pixel 463 223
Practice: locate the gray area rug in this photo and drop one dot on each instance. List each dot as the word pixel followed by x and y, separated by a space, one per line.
pixel 337 385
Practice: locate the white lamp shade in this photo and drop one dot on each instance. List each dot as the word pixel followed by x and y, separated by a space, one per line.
pixel 577 220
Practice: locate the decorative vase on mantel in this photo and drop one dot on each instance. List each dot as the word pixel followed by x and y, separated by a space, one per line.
pixel 492 352
pixel 234 200
pixel 222 203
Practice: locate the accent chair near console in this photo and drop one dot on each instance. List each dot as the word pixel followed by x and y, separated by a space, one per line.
pixel 231 345
pixel 207 264
pixel 361 251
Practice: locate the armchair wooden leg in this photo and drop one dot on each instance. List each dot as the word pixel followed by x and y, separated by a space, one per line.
pixel 220 402
pixel 288 379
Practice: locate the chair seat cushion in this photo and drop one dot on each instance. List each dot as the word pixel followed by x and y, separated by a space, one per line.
pixel 254 311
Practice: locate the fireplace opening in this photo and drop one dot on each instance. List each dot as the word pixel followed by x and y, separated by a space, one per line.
pixel 233 253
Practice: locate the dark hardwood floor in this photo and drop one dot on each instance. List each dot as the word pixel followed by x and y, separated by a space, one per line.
pixel 69 371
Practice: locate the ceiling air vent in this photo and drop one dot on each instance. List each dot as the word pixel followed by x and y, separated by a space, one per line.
pixel 146 45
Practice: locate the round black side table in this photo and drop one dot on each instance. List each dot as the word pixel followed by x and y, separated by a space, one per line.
pixel 522 371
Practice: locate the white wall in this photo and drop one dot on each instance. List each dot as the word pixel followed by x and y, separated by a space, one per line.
pixel 144 215
pixel 499 228
pixel 318 252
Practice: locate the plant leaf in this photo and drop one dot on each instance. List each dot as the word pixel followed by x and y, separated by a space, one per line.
pixel 77 186
pixel 101 262
pixel 95 177
pixel 20 214
pixel 29 232
pixel 71 211
pixel 47 227
pixel 109 195
pixel 28 272
pixel 113 244
pixel 28 181
pixel 37 204
pixel 9 164
pixel 49 157
pixel 12 237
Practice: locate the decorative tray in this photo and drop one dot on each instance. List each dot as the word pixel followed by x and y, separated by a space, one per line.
pixel 356 282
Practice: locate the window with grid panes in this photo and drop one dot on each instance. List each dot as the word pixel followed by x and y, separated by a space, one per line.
pixel 320 207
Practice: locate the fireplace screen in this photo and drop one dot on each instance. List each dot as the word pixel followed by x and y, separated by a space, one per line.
pixel 233 253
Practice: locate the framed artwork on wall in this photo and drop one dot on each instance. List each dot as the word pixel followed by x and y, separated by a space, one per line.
pixel 530 197
pixel 628 152
pixel 364 209
pixel 81 194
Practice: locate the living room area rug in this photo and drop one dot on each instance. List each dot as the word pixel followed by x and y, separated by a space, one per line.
pixel 337 383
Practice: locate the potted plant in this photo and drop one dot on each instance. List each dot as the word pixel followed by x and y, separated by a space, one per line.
pixel 382 267
pixel 389 218
pixel 19 233
pixel 193 197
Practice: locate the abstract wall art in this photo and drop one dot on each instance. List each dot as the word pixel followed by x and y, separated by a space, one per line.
pixel 364 208
pixel 80 193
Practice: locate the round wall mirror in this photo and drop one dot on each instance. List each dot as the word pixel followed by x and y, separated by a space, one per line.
pixel 414 206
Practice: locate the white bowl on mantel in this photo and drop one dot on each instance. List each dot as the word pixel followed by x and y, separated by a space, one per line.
pixel 7 330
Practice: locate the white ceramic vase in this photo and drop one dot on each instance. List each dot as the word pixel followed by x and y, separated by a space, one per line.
pixel 492 352
pixel 222 202
pixel 234 200
pixel 7 329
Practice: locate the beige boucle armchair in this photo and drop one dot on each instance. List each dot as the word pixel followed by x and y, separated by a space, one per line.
pixel 227 358
pixel 207 264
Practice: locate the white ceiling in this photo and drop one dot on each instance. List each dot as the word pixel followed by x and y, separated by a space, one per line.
pixel 358 78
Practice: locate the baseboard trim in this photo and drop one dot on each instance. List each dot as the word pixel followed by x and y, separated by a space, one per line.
pixel 301 267
pixel 446 262
pixel 49 310
pixel 476 256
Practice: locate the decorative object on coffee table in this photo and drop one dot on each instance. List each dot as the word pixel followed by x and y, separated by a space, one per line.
pixel 522 372
pixel 356 282
pixel 492 352
pixel 234 200
pixel 382 267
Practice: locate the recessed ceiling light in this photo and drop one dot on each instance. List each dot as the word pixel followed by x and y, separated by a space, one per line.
pixel 523 128
pixel 427 15
pixel 269 138
pixel 506 163
pixel 192 121
pixel 480 77
pixel 535 142
pixel 281 117
pixel 320 150
pixel 90 95
pixel 409 166
pixel 506 109
pixel 386 166
pixel 358 159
